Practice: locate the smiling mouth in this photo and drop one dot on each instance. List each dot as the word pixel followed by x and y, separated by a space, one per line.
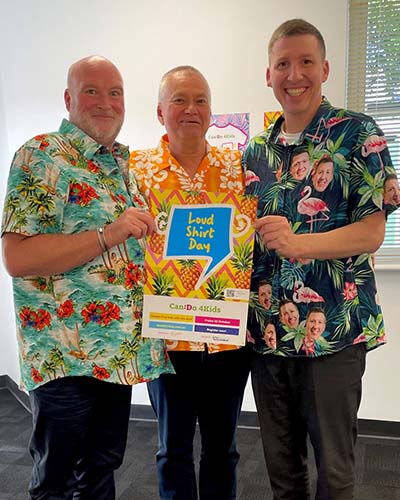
pixel 190 122
pixel 104 117
pixel 296 92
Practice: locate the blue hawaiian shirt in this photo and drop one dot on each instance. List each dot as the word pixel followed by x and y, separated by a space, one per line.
pixel 86 321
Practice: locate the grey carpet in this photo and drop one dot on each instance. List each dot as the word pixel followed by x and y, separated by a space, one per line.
pixel 378 461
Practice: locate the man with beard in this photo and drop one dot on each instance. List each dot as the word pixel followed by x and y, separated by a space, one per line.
pixel 77 315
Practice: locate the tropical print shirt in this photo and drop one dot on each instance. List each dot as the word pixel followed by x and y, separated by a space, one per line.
pixel 219 171
pixel 332 176
pixel 84 322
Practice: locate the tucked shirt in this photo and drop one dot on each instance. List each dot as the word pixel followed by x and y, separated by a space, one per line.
pixel 86 321
pixel 332 176
pixel 219 171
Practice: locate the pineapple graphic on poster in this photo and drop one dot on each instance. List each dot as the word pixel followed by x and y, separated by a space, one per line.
pixel 198 266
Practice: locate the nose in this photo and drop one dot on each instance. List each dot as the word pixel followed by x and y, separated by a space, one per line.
pixel 190 107
pixel 295 72
pixel 103 100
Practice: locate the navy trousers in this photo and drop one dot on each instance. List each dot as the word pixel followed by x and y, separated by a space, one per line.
pixel 80 427
pixel 319 398
pixel 208 389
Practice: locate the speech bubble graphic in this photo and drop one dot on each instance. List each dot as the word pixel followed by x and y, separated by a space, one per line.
pixel 200 232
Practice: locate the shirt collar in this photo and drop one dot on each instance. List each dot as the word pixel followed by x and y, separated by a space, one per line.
pixel 275 128
pixel 168 160
pixel 87 146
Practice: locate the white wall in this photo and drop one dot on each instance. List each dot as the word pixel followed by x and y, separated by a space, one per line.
pixel 225 39
pixel 8 352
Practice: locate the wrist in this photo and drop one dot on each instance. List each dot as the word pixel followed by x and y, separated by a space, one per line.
pixel 102 239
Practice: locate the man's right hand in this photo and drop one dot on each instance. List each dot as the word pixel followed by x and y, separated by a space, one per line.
pixel 134 222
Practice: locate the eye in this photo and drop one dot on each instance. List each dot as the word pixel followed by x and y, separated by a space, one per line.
pixel 308 62
pixel 178 100
pixel 282 65
pixel 202 100
pixel 116 93
pixel 90 91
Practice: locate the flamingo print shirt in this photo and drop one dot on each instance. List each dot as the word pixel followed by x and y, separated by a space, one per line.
pixel 331 176
pixel 219 171
pixel 84 322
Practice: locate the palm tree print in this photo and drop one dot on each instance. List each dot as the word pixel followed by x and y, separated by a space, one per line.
pixel 81 325
pixel 129 350
pixel 118 363
pixel 56 359
pixel 352 188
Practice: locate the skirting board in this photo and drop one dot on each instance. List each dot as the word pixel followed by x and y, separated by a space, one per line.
pixel 248 419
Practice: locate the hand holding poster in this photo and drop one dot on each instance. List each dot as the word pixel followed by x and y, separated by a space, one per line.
pixel 198 267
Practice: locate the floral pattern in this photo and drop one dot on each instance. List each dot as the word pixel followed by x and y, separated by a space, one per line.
pixel 332 176
pixel 84 322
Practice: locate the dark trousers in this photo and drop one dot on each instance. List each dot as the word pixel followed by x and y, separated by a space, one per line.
pixel 207 388
pixel 319 398
pixel 79 436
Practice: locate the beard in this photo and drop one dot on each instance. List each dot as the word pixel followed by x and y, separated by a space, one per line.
pixel 103 133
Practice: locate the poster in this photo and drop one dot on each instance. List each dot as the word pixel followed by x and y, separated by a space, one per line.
pixel 229 131
pixel 198 266
pixel 270 117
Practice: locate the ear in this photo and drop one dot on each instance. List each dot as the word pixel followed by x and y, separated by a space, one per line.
pixel 325 71
pixel 67 99
pixel 268 77
pixel 159 114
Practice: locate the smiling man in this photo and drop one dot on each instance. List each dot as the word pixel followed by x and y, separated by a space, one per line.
pixel 319 226
pixel 210 379
pixel 67 214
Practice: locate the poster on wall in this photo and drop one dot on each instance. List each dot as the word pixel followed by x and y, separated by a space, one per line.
pixel 229 131
pixel 270 117
pixel 198 266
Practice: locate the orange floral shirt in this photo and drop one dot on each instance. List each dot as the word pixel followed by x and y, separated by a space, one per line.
pixel 219 171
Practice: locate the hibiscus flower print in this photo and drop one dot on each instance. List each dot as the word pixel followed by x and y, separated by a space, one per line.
pixel 139 202
pixel 37 320
pixel 350 290
pixel 118 198
pixel 81 194
pixel 35 375
pixel 112 311
pixel 100 372
pixel 92 167
pixel 96 312
pixel 133 275
pixel 43 141
pixel 65 310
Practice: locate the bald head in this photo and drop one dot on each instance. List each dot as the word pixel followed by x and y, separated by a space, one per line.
pixel 95 98
pixel 178 73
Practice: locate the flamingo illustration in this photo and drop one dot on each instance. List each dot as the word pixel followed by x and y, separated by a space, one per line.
pixel 349 263
pixel 318 135
pixel 374 144
pixel 305 294
pixel 312 206
pixel 251 177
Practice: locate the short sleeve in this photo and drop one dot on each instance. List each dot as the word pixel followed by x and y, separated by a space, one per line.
pixel 36 194
pixel 370 166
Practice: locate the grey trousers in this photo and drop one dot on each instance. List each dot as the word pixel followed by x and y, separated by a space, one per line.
pixel 297 398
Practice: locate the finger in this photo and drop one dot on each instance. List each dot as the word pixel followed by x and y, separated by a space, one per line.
pixel 148 220
pixel 138 229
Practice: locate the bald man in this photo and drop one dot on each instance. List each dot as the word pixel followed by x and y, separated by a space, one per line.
pixel 67 212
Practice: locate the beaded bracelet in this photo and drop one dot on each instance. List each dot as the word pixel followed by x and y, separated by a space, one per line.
pixel 102 239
